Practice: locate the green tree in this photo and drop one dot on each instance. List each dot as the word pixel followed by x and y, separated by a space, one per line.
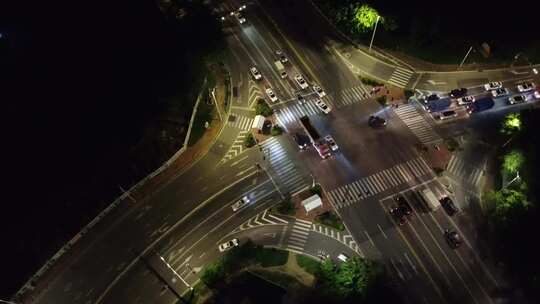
pixel 276 130
pixel 213 273
pixel 512 162
pixel 263 108
pixel 511 124
pixel 249 141
pixel 355 276
pixel 365 18
pixel 506 203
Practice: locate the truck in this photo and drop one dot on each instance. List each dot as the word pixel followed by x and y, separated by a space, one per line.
pixel 481 104
pixel 438 105
pixel 430 199
pixel 316 140
pixel 281 69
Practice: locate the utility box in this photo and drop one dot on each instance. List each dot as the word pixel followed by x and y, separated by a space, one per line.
pixel 258 122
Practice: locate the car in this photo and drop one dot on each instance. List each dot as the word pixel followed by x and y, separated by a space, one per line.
pixel 517 99
pixel 455 93
pixel 499 92
pixel 256 74
pixel 465 100
pixel 301 82
pixel 493 85
pixel 525 87
pixel 376 121
pixel 447 114
pixel 537 94
pixel 399 215
pixel 301 140
pixel 319 91
pixel 343 257
pixel 240 203
pixel 321 105
pixel 282 57
pixel 453 238
pixel 331 142
pixel 449 206
pixel 301 99
pixel 403 204
pixel 228 245
pixel 241 19
pixel 270 93
pixel 432 97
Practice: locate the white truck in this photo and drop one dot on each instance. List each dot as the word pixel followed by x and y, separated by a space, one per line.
pixel 431 200
pixel 281 69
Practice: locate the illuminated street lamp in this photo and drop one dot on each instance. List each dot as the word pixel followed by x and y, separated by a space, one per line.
pixel 374 30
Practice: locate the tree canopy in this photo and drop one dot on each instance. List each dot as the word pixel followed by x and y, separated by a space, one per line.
pixel 365 18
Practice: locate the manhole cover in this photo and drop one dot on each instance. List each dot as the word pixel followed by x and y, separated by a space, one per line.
pixel 347 55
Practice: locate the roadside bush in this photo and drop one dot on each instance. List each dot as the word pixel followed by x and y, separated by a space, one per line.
pixel 408 93
pixel 263 108
pixel 382 100
pixel 213 274
pixel 276 130
pixel 370 82
pixel 329 218
pixel 308 264
pixel 249 141
pixel 452 144
pixel 317 189
pixel 439 171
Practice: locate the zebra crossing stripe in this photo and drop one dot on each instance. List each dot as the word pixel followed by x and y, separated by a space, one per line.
pixel 299 249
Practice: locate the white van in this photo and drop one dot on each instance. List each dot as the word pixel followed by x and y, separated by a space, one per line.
pixel 342 257
pixel 431 200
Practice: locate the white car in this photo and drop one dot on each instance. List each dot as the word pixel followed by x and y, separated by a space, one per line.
pixel 465 100
pixel 321 105
pixel 499 92
pixel 271 95
pixel 319 91
pixel 343 257
pixel 228 245
pixel 517 99
pixel 331 142
pixel 537 94
pixel 301 82
pixel 525 87
pixel 241 19
pixel 493 85
pixel 240 203
pixel 256 74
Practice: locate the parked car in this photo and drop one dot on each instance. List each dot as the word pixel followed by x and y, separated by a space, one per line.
pixel 301 82
pixel 331 142
pixel 455 93
pixel 319 91
pixel 244 201
pixel 465 100
pixel 228 245
pixel 525 87
pixel 493 85
pixel 376 121
pixel 322 105
pixel 517 99
pixel 449 206
pixel 453 238
pixel 447 114
pixel 499 92
pixel 256 74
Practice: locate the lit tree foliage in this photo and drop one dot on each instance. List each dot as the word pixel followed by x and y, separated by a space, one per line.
pixel 365 18
pixel 512 162
pixel 511 124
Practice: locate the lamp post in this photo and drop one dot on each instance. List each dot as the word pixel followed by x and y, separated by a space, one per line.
pixel 373 35
pixel 513 180
pixel 465 58
pixel 7 302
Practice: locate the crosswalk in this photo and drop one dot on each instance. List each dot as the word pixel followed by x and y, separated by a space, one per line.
pixel 261 219
pixel 298 236
pixel 459 168
pixel 400 77
pixel 282 165
pixel 295 110
pixel 236 148
pixel 361 189
pixel 416 123
pixel 240 122
pixel 341 236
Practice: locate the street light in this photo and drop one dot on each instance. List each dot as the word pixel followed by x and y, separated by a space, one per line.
pixel 374 30
pixel 7 302
pixel 174 271
pixel 465 58
pixel 513 180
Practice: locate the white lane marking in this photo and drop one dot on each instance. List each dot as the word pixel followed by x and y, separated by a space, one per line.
pixel 382 231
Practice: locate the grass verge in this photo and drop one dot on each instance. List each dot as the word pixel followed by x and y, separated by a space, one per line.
pixel 204 114
pixel 310 265
pixel 329 218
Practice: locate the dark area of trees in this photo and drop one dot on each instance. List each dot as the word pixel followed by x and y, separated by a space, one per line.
pixel 95 95
pixel 443 31
pixel 515 213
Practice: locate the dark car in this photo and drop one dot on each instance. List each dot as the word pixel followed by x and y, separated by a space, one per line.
pixel 376 121
pixel 399 215
pixel 432 97
pixel 449 206
pixel 456 93
pixel 403 205
pixel 453 238
pixel 301 140
pixel 301 99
